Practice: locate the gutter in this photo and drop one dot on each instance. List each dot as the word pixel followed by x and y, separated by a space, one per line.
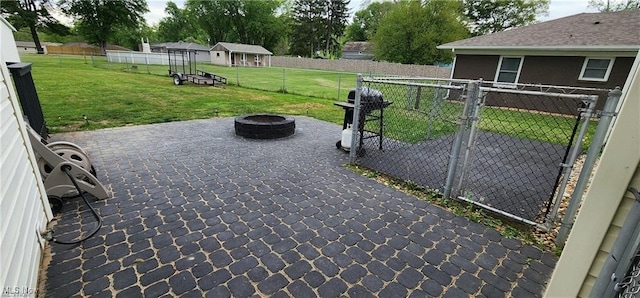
pixel 622 48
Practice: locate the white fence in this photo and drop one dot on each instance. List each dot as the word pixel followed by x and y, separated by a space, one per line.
pixel 147 58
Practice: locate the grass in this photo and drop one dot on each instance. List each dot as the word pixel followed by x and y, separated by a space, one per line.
pixel 110 96
pixel 117 94
pixel 433 117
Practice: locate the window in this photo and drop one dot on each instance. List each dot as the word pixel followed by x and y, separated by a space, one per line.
pixel 596 69
pixel 508 70
pixel 218 54
pixel 256 58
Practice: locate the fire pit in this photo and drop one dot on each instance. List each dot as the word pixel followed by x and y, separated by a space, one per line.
pixel 264 126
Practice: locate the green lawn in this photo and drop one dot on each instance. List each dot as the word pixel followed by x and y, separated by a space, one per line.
pixel 110 96
pixel 117 94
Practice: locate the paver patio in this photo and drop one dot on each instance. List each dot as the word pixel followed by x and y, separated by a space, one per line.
pixel 197 211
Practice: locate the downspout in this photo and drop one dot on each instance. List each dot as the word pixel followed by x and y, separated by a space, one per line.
pixel 621 253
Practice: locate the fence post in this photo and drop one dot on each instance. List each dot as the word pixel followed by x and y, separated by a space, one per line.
pixel 416 105
pixel 237 77
pixel 284 87
pixel 606 116
pixel 356 121
pixel 339 79
pixel 471 139
pixel 570 162
pixel 473 88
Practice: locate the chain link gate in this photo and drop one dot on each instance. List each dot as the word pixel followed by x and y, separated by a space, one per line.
pixel 503 148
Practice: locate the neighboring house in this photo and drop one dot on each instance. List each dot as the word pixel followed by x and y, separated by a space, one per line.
pixel 24 207
pixel 201 52
pixel 29 47
pixel 593 50
pixel 606 235
pixel 235 54
pixel 357 50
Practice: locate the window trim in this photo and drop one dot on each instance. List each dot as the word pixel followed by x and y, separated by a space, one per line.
pixel 581 77
pixel 506 84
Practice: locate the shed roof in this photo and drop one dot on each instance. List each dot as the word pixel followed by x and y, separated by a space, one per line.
pixel 181 46
pixel 585 31
pixel 357 46
pixel 240 48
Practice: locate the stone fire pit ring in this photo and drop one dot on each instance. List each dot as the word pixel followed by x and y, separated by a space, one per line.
pixel 264 126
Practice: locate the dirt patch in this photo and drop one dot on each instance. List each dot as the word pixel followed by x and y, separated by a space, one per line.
pixel 303 106
pixel 548 238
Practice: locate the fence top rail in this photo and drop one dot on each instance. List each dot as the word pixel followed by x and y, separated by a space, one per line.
pixel 541 93
pixel 452 87
pixel 540 87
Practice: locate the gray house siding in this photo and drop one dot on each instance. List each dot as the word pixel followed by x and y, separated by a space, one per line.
pixel 546 70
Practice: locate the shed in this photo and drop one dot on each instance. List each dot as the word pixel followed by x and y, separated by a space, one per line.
pixel 201 52
pixel 357 50
pixel 24 208
pixel 600 243
pixel 593 50
pixel 235 54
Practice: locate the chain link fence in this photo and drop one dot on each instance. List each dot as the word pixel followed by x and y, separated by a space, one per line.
pixel 505 148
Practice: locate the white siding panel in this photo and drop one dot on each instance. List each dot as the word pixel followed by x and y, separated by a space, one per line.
pixel 23 207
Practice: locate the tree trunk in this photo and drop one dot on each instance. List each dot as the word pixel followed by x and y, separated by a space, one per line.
pixel 36 39
pixel 103 47
pixel 30 6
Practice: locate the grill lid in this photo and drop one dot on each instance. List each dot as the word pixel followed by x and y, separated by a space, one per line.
pixel 367 95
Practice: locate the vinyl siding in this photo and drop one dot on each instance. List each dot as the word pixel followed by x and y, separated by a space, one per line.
pixel 606 203
pixel 610 238
pixel 23 211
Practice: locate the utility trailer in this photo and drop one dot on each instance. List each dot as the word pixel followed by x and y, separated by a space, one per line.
pixel 183 67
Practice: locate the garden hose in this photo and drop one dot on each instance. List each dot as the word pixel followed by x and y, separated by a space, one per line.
pixel 66 169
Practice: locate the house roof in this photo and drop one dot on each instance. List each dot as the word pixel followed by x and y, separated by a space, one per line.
pixel 25 44
pixel 619 31
pixel 357 46
pixel 240 48
pixel 181 46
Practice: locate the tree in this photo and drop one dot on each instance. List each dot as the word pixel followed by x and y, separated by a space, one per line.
pixel 304 37
pixel 178 25
pixel 32 14
pixel 365 22
pixel 615 5
pixel 335 17
pixel 412 30
pixel 318 25
pixel 243 21
pixel 489 16
pixel 96 19
pixel 132 37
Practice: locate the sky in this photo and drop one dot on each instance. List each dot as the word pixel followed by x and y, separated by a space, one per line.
pixel 557 8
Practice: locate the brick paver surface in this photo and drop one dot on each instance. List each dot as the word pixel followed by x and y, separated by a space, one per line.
pixel 197 211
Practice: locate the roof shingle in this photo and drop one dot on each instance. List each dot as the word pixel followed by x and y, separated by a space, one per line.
pixel 585 30
pixel 240 48
pixel 181 46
